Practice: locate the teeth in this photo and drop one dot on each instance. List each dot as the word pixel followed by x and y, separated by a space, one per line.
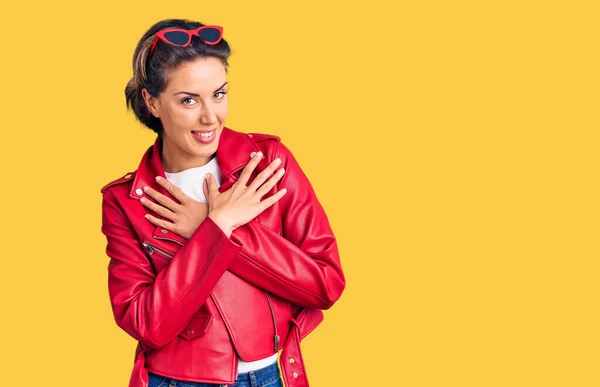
pixel 205 135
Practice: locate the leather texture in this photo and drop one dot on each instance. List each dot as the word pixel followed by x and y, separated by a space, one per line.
pixel 192 304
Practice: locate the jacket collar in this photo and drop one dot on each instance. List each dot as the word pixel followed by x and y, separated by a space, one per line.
pixel 233 153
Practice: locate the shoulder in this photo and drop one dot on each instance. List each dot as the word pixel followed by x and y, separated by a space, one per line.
pixel 121 180
pixel 273 146
pixel 267 143
pixel 260 137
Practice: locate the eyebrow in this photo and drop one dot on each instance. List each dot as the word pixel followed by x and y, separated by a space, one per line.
pixel 198 95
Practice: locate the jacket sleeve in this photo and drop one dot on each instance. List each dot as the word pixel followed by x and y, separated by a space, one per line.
pixel 302 265
pixel 152 308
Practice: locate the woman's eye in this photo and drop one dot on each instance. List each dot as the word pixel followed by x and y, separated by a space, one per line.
pixel 187 99
pixel 220 94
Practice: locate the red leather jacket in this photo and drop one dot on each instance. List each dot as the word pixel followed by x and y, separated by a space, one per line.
pixel 193 303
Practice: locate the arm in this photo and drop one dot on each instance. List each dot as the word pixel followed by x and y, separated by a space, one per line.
pixel 302 267
pixel 152 308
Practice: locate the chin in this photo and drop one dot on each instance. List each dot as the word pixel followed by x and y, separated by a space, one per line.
pixel 207 151
pixel 211 149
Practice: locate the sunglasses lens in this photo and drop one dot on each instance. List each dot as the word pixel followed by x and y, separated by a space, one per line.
pixel 209 35
pixel 177 38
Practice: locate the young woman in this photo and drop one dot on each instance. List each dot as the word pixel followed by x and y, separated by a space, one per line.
pixel 221 257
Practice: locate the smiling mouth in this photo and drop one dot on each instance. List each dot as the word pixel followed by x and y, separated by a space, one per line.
pixel 204 134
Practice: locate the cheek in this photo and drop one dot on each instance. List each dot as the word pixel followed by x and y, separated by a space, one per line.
pixel 183 118
pixel 171 114
pixel 221 111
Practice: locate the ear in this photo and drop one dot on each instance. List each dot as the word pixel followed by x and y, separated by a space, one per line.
pixel 151 103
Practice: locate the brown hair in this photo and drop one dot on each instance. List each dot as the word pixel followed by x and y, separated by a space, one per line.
pixel 152 73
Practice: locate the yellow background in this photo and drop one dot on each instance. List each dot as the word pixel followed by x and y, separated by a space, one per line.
pixel 453 144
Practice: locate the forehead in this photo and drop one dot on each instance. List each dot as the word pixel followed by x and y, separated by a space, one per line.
pixel 201 75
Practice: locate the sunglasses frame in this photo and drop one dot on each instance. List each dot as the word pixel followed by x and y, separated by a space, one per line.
pixel 160 35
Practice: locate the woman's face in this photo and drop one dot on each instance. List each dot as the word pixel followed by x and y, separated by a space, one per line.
pixel 192 110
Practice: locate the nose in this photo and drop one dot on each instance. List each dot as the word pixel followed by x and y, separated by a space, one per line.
pixel 207 115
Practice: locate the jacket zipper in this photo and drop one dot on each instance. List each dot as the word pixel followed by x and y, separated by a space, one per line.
pixel 276 337
pixel 152 249
pixel 168 239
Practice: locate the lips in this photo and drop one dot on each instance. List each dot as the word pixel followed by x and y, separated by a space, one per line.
pixel 204 136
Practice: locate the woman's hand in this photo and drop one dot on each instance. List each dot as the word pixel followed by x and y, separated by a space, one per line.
pixel 241 203
pixel 185 217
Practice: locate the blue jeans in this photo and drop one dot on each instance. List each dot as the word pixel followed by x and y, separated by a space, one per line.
pixel 268 376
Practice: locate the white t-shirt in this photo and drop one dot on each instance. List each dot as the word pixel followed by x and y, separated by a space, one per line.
pixel 190 181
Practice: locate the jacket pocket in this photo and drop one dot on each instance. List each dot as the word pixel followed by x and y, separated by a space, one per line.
pixel 197 326
pixel 160 258
pixel 152 249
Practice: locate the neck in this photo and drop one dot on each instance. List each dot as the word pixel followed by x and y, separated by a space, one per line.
pixel 175 160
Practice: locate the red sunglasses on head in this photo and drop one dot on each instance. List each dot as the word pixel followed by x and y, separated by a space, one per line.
pixel 180 37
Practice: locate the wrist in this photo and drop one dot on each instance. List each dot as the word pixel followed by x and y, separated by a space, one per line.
pixel 223 225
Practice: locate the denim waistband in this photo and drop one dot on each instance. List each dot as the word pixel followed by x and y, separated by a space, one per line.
pixel 268 372
pixel 253 378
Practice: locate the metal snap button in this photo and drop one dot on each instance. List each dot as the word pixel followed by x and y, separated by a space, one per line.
pixel 190 331
pixel 295 374
pixel 292 360
pixel 139 192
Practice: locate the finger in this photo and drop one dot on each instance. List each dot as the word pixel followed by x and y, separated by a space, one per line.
pixel 248 169
pixel 160 210
pixel 212 187
pixel 265 188
pixel 268 202
pixel 264 175
pixel 161 223
pixel 160 198
pixel 211 184
pixel 205 188
pixel 173 189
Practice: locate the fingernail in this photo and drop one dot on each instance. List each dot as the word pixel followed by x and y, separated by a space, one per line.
pixel 146 188
pixel 278 160
pixel 252 154
pixel 158 178
pixel 259 154
pixel 146 216
pixel 142 200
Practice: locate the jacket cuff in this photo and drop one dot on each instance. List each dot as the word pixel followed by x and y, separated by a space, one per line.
pixel 210 231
